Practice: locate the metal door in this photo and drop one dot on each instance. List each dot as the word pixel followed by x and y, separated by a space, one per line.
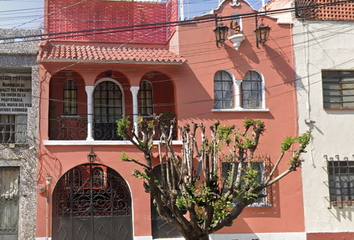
pixel 92 202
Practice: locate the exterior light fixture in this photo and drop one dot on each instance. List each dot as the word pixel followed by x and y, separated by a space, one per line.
pixel 220 34
pixel 262 34
pixel 91 156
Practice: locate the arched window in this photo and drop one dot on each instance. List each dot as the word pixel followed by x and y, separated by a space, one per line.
pixel 146 102
pixel 252 90
pixel 70 97
pixel 223 90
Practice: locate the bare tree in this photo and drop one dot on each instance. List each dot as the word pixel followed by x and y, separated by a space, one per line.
pixel 190 192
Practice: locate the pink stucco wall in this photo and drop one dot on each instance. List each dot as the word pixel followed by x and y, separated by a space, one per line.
pixel 193 92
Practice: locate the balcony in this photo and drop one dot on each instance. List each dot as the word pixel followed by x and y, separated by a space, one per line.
pixel 71 128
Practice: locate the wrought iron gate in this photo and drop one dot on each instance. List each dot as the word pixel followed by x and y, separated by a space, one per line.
pixel 92 202
pixel 9 202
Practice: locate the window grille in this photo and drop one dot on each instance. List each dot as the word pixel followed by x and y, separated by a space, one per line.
pixel 338 89
pixel 252 90
pixel 146 102
pixel 13 129
pixel 70 97
pixel 259 167
pixel 340 180
pixel 223 90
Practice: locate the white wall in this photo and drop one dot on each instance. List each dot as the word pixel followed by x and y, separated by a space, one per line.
pixel 323 45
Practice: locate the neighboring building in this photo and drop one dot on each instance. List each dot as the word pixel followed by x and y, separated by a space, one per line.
pixel 323 42
pixel 18 133
pixel 89 79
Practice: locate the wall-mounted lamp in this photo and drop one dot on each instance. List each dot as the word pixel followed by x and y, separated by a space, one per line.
pixel 220 32
pixel 48 179
pixel 261 32
pixel 91 157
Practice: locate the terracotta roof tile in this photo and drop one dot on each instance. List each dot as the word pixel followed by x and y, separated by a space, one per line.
pixel 51 52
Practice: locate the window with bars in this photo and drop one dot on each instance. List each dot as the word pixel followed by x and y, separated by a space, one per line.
pixel 70 97
pixel 338 89
pixel 13 128
pixel 146 102
pixel 259 167
pixel 252 90
pixel 223 90
pixel 341 180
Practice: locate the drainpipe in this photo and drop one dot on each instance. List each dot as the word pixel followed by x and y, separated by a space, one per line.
pixel 48 182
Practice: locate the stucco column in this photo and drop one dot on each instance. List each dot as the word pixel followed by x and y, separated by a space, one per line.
pixel 238 94
pixel 135 90
pixel 89 91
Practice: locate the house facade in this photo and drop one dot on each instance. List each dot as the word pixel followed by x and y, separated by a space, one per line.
pixel 324 68
pixel 118 58
pixel 18 133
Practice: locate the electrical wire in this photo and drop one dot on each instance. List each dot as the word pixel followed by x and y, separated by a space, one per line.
pixel 203 19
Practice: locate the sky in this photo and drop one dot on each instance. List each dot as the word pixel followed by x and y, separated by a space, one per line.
pixel 28 14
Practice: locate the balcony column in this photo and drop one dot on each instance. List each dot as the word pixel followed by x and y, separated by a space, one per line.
pixel 89 91
pixel 135 90
pixel 238 94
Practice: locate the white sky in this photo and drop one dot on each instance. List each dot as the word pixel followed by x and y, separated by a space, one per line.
pixel 29 13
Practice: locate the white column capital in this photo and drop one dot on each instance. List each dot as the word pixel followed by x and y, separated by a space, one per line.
pixel 238 82
pixel 89 89
pixel 134 89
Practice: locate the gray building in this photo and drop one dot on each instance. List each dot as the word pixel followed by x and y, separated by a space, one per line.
pixel 18 133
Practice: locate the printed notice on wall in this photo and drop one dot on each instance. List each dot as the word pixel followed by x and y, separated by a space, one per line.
pixel 15 95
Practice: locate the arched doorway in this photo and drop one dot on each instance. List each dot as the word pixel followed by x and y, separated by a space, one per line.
pixel 108 108
pixel 92 201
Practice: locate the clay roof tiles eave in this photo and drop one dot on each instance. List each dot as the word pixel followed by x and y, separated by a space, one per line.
pixel 87 53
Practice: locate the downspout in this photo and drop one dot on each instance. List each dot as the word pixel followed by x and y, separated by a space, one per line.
pixel 308 119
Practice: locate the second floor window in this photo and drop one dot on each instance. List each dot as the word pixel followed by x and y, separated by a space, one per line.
pixel 146 102
pixel 338 89
pixel 223 90
pixel 70 97
pixel 252 90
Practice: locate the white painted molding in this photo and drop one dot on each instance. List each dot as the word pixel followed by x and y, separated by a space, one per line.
pixel 143 238
pixel 235 3
pixel 96 143
pixel 237 40
pixel 240 110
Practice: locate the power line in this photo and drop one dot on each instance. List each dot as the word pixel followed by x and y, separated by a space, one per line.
pixel 203 19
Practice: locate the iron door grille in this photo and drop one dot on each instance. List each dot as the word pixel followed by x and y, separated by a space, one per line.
pixel 9 202
pixel 92 202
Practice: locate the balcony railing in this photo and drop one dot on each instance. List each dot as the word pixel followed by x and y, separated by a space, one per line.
pixel 67 127
pixel 64 127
